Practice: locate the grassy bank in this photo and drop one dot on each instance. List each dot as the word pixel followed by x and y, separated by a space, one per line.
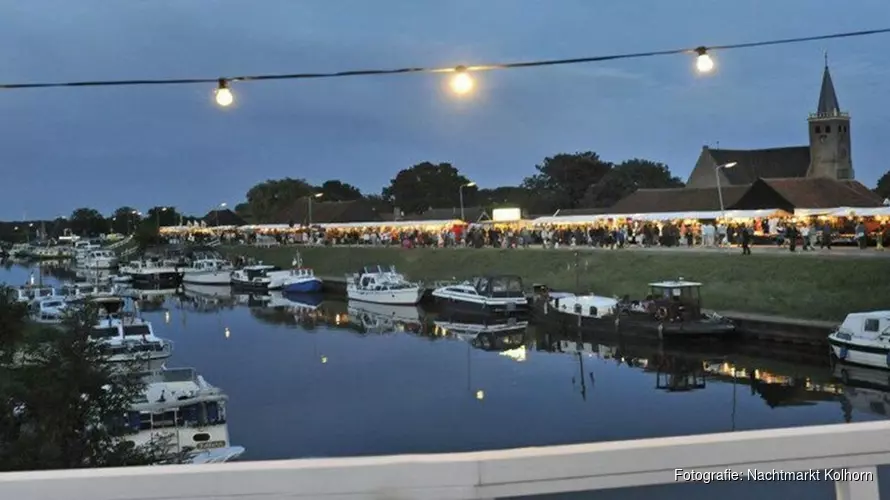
pixel 800 287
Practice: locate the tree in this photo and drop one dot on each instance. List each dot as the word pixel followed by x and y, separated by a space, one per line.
pixel 163 216
pixel 125 220
pixel 883 187
pixel 504 195
pixel 243 210
pixel 426 185
pixel 147 234
pixel 87 222
pixel 61 401
pixel 339 191
pixel 267 199
pixel 562 180
pixel 627 177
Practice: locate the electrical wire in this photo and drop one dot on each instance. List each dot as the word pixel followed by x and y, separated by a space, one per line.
pixel 410 70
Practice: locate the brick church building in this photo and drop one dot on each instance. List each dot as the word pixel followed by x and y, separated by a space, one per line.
pixel 817 175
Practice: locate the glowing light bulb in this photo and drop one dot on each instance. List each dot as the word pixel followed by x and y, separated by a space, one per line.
pixel 462 83
pixel 703 63
pixel 480 395
pixel 224 96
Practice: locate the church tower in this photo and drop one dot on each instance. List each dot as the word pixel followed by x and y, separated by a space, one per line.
pixel 830 154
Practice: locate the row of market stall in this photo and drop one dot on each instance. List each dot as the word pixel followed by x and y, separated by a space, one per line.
pixel 878 215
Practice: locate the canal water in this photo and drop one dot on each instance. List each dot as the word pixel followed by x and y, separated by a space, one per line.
pixel 317 377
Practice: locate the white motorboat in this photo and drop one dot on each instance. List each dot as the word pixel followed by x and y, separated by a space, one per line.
pixel 181 410
pixel 82 249
pixel 30 293
pixel 378 285
pixel 127 337
pixel 383 318
pixel 263 277
pixel 863 339
pixel 98 259
pixel 81 291
pixel 48 310
pixel 490 294
pixel 208 271
pixel 153 271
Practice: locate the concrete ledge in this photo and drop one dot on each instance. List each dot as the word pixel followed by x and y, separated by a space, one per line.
pixel 480 475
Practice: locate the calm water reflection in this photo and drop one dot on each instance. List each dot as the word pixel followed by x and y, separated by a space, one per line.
pixel 319 378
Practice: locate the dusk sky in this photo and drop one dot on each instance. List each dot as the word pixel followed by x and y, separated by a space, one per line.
pixel 144 146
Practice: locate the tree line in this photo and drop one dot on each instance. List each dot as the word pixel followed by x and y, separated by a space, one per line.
pixel 562 181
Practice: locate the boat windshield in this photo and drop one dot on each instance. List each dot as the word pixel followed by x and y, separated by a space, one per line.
pixel 506 284
pixel 136 330
pixel 104 332
pixel 193 415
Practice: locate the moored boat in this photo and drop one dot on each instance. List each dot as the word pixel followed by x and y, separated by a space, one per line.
pixel 863 339
pixel 383 286
pixel 671 310
pixel 485 295
pixel 208 271
pixel 188 414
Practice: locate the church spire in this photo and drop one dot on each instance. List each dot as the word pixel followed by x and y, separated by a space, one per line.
pixel 828 104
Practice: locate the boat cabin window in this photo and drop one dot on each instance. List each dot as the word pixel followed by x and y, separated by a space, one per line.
pixel 104 333
pixel 683 293
pixel 506 284
pixel 136 330
pixel 872 324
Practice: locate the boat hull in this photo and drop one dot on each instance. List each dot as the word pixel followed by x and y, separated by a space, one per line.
pixel 637 323
pixel 312 285
pixel 855 353
pixel 219 278
pixel 162 279
pixel 483 307
pixel 401 296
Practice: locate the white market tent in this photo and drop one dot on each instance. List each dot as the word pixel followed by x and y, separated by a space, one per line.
pixel 356 225
pixel 659 216
pixel 860 212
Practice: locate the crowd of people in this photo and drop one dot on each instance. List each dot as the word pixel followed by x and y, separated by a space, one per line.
pixel 806 234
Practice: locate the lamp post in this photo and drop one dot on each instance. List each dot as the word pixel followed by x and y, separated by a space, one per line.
pixel 158 216
pixel 460 192
pixel 222 206
pixel 314 196
pixel 720 189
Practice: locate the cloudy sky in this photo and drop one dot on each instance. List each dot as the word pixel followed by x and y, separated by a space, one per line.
pixel 144 146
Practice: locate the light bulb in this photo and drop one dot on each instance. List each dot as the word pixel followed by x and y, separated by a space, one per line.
pixel 462 83
pixel 703 63
pixel 224 95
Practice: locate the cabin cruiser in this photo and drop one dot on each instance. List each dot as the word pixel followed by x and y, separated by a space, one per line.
pixel 383 318
pixel 98 259
pixel 21 250
pixel 50 252
pixel 672 309
pixel 381 286
pixel 48 310
pixel 83 248
pixel 263 277
pixel 208 271
pixel 155 272
pixel 80 291
pixel 128 338
pixel 863 339
pixel 181 408
pixel 30 293
pixel 490 294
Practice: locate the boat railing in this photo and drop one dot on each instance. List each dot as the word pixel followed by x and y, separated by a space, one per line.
pixel 846 454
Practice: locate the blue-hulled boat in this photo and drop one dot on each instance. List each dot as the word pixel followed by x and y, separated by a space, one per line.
pixel 302 279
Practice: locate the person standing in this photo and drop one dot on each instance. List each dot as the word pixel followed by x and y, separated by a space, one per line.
pixel 805 236
pixel 861 236
pixel 746 239
pixel 825 240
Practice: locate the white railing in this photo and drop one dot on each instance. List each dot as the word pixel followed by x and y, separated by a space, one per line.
pixel 120 243
pixel 848 449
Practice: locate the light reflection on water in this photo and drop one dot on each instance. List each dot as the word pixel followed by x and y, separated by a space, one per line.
pixel 322 379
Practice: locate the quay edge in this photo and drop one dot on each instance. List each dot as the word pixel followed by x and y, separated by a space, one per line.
pixel 754 327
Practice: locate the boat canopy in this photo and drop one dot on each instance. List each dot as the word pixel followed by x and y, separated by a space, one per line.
pixel 871 325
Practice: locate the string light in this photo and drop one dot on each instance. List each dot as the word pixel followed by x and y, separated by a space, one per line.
pixel 703 63
pixel 461 81
pixel 223 94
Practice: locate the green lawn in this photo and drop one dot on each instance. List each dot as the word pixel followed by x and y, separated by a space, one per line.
pixel 806 287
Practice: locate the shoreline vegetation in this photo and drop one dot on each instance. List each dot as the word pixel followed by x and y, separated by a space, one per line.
pixel 806 288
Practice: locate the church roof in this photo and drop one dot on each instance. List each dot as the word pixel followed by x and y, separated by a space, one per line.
pixel 823 192
pixel 644 201
pixel 828 103
pixel 752 164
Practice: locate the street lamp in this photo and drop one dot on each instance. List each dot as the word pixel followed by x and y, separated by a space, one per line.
pixel 720 189
pixel 316 195
pixel 460 192
pixel 221 207
pixel 158 216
